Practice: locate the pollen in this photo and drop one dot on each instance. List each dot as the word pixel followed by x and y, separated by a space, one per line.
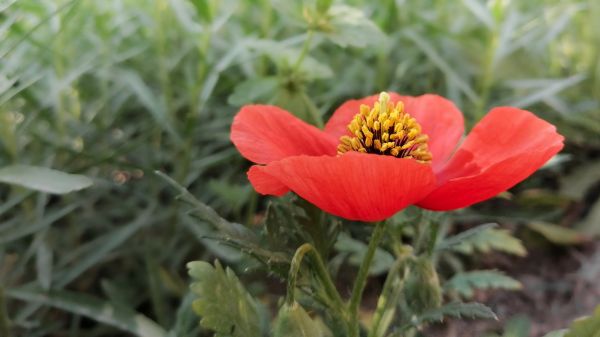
pixel 385 128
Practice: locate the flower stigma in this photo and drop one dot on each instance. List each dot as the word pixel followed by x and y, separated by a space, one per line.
pixel 386 129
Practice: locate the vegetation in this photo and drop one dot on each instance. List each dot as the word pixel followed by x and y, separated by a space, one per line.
pixel 118 89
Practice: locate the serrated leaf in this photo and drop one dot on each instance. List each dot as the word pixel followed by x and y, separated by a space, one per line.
pixel 489 240
pixel 458 239
pixel 223 303
pixel 456 309
pixel 465 283
pixel 43 179
pixel 586 327
pixel 349 27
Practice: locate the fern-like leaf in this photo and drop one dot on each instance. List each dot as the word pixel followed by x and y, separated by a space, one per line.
pixel 223 303
pixel 465 283
pixel 456 309
pixel 489 239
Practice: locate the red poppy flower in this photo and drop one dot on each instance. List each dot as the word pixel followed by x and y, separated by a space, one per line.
pixel 382 153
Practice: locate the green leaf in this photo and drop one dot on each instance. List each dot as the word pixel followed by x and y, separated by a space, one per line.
pixel 465 283
pixel 586 327
pixel 491 239
pixel 203 8
pixel 452 76
pixel 576 184
pixel 294 321
pixel 223 303
pixel 557 234
pixel 589 224
pixel 93 308
pixel 456 309
pixel 547 91
pixel 481 12
pixel 349 27
pixel 253 90
pixel 43 179
pixel 356 251
pixel 458 239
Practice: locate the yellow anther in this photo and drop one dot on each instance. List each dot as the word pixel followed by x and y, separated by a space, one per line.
pixel 386 128
pixel 366 132
pixel 365 109
pixel 377 144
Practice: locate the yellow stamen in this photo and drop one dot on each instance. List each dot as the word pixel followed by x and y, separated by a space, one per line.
pixel 386 129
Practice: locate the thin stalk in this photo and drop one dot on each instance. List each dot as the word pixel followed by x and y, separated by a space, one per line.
pixel 304 51
pixel 322 273
pixel 361 278
pixel 4 323
pixel 434 231
pixel 488 76
pixel 389 292
pixel 293 273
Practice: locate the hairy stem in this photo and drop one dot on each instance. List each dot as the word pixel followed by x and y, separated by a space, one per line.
pixel 361 278
pixel 390 292
pixel 294 269
pixel 322 273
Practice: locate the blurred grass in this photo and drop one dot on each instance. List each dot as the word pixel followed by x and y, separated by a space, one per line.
pixel 116 89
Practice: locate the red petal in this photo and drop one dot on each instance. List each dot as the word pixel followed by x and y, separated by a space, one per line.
pixel 440 119
pixel 264 183
pixel 264 133
pixel 354 186
pixel 504 148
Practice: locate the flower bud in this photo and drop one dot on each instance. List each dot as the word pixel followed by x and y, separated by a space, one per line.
pixel 422 290
pixel 294 321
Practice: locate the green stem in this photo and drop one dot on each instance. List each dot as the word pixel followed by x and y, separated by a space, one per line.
pixel 4 323
pixel 304 51
pixel 322 273
pixel 390 291
pixel 294 269
pixel 434 231
pixel 488 75
pixel 361 278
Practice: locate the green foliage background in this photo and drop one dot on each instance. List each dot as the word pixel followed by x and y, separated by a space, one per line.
pixel 116 89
